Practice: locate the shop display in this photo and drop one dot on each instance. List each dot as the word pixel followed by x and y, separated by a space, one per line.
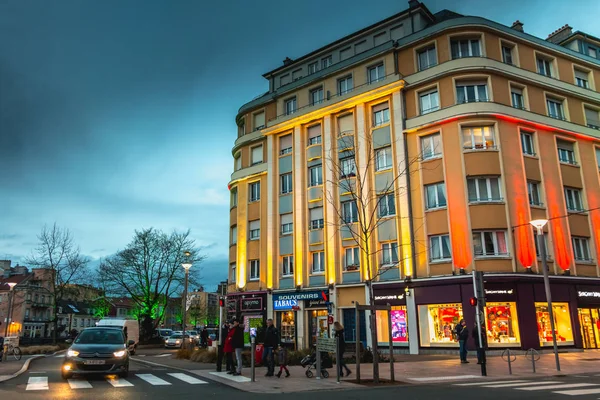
pixel 288 327
pixel 502 325
pixel 437 324
pixel 251 321
pixel 399 325
pixel 562 323
pixel 317 325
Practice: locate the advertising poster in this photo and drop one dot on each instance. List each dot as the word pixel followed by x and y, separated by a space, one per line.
pixel 399 331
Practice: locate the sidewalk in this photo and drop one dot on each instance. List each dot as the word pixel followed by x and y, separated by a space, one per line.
pixel 11 367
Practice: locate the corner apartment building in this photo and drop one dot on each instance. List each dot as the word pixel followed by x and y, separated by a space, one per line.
pixel 458 131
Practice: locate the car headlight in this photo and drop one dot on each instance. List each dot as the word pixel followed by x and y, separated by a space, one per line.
pixel 119 353
pixel 72 353
pixel 178 341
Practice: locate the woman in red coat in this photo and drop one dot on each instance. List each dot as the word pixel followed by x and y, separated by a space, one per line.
pixel 228 350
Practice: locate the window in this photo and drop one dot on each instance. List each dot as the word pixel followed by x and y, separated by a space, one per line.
pixel 544 66
pixel 592 118
pixel 502 324
pixel 352 258
pixel 345 85
pixel 381 114
pixel 598 156
pixel 537 245
pixel 241 129
pixel 437 322
pixel 582 79
pixel 383 157
pixel 516 97
pixel 312 67
pixel 439 248
pixel 527 143
pixel 533 191
pixel 389 253
pixel 257 155
pixel 349 211
pixel 347 167
pixel 259 121
pixel 465 48
pixel 562 324
pixel 484 189
pixel 232 268
pixel 287 224
pixel 346 124
pixel 254 191
pixel 315 176
pixel 234 197
pixel 238 162
pixel 490 243
pixel 386 205
pixel 316 96
pixel 555 108
pixel 326 62
pixel 431 146
pixel 573 199
pixel 429 101
pixel 427 57
pixel 285 145
pixel 318 262
pixel 314 135
pixel 566 152
pixel 287 265
pixel 316 218
pixel 435 195
pixel 233 235
pixel 285 181
pixel 479 138
pixel 376 73
pixel 507 54
pixel 469 92
pixel 592 52
pixel 255 229
pixel 581 247
pixel 254 270
pixel 290 106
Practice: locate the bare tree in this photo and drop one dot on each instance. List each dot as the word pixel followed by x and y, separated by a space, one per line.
pixel 361 202
pixel 149 271
pixel 57 254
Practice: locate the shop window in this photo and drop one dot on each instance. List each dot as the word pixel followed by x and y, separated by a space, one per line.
pixel 399 325
pixel 562 323
pixel 317 325
pixel 349 318
pixel 287 327
pixel 437 322
pixel 502 325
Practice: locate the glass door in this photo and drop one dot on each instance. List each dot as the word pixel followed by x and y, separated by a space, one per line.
pixel 588 328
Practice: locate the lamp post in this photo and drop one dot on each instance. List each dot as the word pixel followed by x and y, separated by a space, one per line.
pixel 11 286
pixel 186 266
pixel 539 225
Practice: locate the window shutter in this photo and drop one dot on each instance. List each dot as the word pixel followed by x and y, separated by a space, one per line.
pixel 516 90
pixel 285 141
pixel 346 123
pixel 314 131
pixel 259 120
pixel 316 213
pixel 564 145
pixel 286 219
pixel 257 154
pixel 255 224
pixel 380 107
pixel 581 75
pixel 592 117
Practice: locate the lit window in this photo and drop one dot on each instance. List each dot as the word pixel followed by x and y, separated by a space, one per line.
pixel 581 248
pixel 287 265
pixel 484 189
pixel 502 324
pixel 479 138
pixel 349 212
pixel 315 176
pixel 431 146
pixel 562 324
pixel 465 48
pixel 376 73
pixel 429 101
pixel 318 262
pixel 490 243
pixel 254 191
pixel 436 195
pixel 254 270
pixel 573 199
pixel 439 248
pixel 386 205
pixel 285 181
pixel 469 92
pixel 389 253
pixel 427 57
pixel 352 258
pixel 383 158
pixel 527 143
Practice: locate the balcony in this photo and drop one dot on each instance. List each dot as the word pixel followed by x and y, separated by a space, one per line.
pixel 36 319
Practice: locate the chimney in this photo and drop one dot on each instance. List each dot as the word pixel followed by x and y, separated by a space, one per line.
pixel 517 26
pixel 560 34
pixel 287 61
pixel 413 3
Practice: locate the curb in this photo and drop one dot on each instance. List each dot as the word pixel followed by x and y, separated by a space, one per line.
pixel 24 368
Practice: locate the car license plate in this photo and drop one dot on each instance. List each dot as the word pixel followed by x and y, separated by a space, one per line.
pixel 94 362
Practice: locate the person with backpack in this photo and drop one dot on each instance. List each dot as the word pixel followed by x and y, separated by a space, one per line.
pixel 462 335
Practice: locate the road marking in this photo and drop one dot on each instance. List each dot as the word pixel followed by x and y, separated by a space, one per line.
pixel 506 385
pixel 118 382
pixel 79 384
pixel 164 355
pixel 60 356
pixel 37 383
pixel 236 378
pixel 563 386
pixel 186 378
pixel 488 383
pixel 446 378
pixel 578 392
pixel 153 380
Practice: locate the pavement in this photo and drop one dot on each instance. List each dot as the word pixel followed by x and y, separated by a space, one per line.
pixel 10 368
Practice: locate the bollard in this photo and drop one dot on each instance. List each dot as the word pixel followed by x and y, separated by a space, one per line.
pixel 338 357
pixel 508 359
pixel 318 363
pixel 252 350
pixel 509 363
pixel 535 356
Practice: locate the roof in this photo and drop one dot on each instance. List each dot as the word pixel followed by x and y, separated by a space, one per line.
pixel 579 33
pixel 18 279
pixel 74 307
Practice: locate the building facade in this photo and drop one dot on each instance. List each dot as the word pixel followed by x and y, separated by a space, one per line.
pixel 412 153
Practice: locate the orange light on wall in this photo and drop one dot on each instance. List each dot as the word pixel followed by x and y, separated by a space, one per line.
pixel 558 225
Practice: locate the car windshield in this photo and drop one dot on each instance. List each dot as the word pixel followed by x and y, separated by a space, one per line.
pixel 100 336
pixel 193 333
pixel 166 332
pixel 176 336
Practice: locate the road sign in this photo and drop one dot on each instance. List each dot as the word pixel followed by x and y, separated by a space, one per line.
pixel 329 307
pixel 330 319
pixel 326 344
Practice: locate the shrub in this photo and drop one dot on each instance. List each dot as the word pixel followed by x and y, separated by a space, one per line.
pixel 204 356
pixel 30 350
pixel 183 354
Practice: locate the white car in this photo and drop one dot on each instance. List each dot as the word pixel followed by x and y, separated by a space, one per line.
pixel 176 341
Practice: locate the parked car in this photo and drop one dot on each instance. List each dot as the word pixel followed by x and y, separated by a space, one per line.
pixel 176 340
pixel 98 350
pixel 194 335
pixel 130 328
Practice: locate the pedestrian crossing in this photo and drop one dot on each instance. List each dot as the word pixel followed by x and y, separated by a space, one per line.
pixel 556 387
pixel 39 383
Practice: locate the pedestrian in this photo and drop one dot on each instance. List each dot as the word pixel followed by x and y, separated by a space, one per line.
pixel 270 344
pixel 220 349
pixel 228 349
pixel 238 344
pixel 480 349
pixel 204 338
pixel 462 335
pixel 1 348
pixel 341 348
pixel 282 358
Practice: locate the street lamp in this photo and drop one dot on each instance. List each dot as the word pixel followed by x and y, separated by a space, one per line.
pixel 539 225
pixel 11 286
pixel 186 266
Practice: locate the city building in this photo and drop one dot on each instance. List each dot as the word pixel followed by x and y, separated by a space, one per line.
pixel 75 316
pixel 411 153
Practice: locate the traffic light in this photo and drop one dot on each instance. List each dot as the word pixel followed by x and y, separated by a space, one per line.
pixel 221 302
pixel 473 301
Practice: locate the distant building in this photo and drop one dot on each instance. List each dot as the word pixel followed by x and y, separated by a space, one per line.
pixel 75 315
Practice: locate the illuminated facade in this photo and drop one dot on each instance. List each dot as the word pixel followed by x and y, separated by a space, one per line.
pixel 464 130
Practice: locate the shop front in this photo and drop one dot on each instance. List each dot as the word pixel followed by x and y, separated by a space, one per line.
pixel 588 306
pixel 399 317
pixel 317 319
pixel 500 313
pixel 251 307
pixel 440 309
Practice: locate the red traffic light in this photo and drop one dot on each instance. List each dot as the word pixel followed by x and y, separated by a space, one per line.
pixel 221 303
pixel 473 301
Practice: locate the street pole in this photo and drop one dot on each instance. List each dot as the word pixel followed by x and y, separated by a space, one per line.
pixel 11 299
pixel 542 247
pixel 479 292
pixel 186 265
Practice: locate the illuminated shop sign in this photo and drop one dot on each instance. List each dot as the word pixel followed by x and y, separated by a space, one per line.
pixel 389 297
pixel 588 294
pixel 284 304
pixel 500 291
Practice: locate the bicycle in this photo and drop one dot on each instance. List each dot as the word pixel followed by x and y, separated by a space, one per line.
pixel 15 351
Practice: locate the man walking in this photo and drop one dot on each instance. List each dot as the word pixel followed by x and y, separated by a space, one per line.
pixel 271 343
pixel 462 334
pixel 238 344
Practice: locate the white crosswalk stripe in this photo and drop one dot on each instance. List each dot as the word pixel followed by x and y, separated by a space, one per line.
pixel 187 378
pixel 578 392
pixel 153 380
pixel 507 385
pixel 561 386
pixel 564 388
pixel 37 383
pixel 119 382
pixel 164 355
pixel 60 356
pixel 79 384
pixel 487 383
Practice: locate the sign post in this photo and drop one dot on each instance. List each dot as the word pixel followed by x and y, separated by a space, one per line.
pixel 328 345
pixel 373 308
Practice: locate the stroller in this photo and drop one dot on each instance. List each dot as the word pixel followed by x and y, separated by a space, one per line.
pixel 310 361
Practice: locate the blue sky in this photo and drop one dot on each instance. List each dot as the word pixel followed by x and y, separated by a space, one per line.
pixel 119 115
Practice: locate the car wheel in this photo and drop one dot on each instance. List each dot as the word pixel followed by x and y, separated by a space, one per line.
pixel 125 372
pixel 66 375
